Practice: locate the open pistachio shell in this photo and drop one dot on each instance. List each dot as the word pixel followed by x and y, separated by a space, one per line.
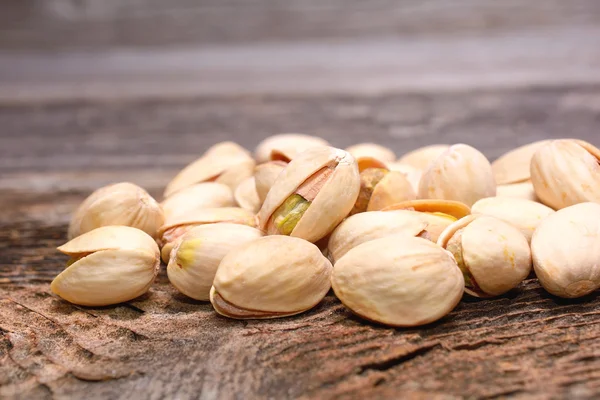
pixel 513 167
pixel 118 204
pixel 372 225
pixel 214 163
pixel 521 190
pixel 380 188
pixel 313 194
pixel 566 249
pixel 270 277
pixel 196 257
pixel 265 176
pixel 422 157
pixel 493 255
pixel 412 174
pixel 523 214
pixel 369 162
pixel 109 265
pixel 398 281
pixel 196 197
pixel 373 150
pixel 566 172
pixel 246 196
pixel 286 146
pixel 461 173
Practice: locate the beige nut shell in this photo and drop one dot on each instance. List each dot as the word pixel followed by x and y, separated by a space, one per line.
pixel 196 197
pixel 246 195
pixel 373 150
pixel 566 251
pixel 289 144
pixel 398 281
pixel 422 157
pixel 393 188
pixel 265 176
pixel 514 166
pixel 521 190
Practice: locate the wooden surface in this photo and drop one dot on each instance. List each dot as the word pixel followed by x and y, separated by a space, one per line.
pixel 73 120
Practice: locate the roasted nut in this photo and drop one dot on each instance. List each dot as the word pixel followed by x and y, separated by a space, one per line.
pixel 119 204
pixel 380 188
pixel 173 229
pixel 493 255
pixel 514 166
pixel 422 157
pixel 286 146
pixel 566 251
pixel 525 215
pixel 265 176
pixel 522 190
pixel 274 276
pixel 566 172
pixel 246 196
pixel 373 150
pixel 398 281
pixel 195 258
pixel 214 166
pixel 108 265
pixel 368 226
pixel 196 197
pixel 461 173
pixel 313 194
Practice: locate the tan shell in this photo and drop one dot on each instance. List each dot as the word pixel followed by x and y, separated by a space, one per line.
pixel 196 197
pixel 246 196
pixel 461 173
pixel 513 167
pixel 215 162
pixel 422 157
pixel 265 176
pixel 566 172
pixel 274 276
pixel 195 258
pixel 522 190
pixel 170 233
pixel 119 204
pixel 367 226
pixel 332 203
pixel 373 150
pixel 369 162
pixel 398 281
pixel 523 214
pixel 380 188
pixel 412 174
pixel 111 264
pixel 287 144
pixel 493 255
pixel 237 174
pixel 566 249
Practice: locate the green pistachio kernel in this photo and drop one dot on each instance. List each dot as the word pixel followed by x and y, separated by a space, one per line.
pixel 289 213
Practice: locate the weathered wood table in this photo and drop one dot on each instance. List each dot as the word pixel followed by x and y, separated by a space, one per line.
pixel 70 123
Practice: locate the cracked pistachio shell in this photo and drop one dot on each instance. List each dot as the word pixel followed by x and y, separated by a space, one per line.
pixel 373 150
pixel 398 281
pixel 523 214
pixel 521 190
pixel 328 177
pixel 566 172
pixel 369 162
pixel 566 251
pixel 286 146
pixel 461 173
pixel 363 227
pixel 215 162
pixel 109 265
pixel 493 255
pixel 380 188
pixel 422 157
pixel 119 204
pixel 196 197
pixel 513 167
pixel 412 174
pixel 178 226
pixel 265 176
pixel 196 257
pixel 246 195
pixel 270 277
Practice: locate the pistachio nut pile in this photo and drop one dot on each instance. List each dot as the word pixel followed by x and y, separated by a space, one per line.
pixel 399 240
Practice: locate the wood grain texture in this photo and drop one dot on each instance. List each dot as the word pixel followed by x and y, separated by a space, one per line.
pixel 526 344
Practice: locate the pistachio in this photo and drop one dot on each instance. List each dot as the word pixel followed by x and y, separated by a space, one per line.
pixel 196 197
pixel 461 173
pixel 173 229
pixel 523 214
pixel 237 174
pixel 422 157
pixel 313 194
pixel 372 225
pixel 195 258
pixel 493 255
pixel 566 172
pixel 380 188
pixel 566 249
pixel 265 176
pixel 373 150
pixel 514 166
pixel 398 281
pixel 119 204
pixel 521 190
pixel 214 164
pixel 369 162
pixel 270 277
pixel 109 265
pixel 286 146
pixel 412 174
pixel 246 195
